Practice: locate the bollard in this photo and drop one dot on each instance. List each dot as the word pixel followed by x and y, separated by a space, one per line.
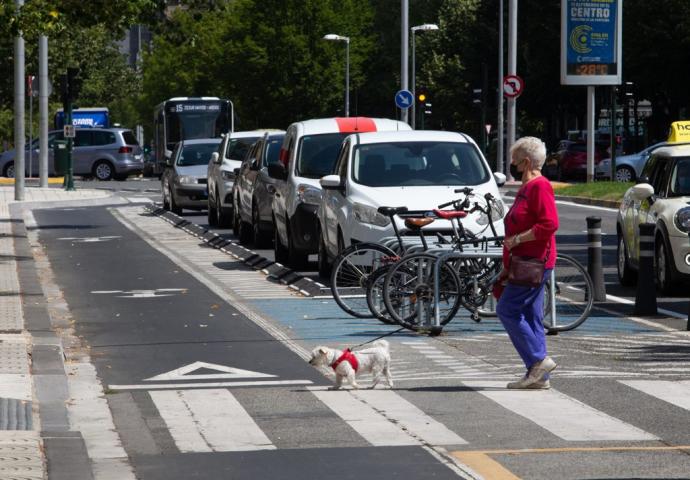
pixel 645 299
pixel 594 267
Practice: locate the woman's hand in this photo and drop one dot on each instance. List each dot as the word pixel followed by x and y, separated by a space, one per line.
pixel 511 242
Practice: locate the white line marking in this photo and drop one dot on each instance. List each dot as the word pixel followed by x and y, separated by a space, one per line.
pixel 209 421
pixel 366 421
pixel 593 207
pixel 560 414
pixel 174 386
pixel 670 313
pixel 182 373
pixel 396 408
pixel 675 393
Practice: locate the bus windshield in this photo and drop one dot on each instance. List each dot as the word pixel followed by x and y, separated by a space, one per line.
pixel 207 122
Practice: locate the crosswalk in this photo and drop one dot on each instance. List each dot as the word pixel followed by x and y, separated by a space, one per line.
pixel 221 420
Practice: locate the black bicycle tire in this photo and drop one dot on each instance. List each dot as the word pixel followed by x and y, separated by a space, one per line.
pixel 407 323
pixel 589 295
pixel 337 265
pixel 378 275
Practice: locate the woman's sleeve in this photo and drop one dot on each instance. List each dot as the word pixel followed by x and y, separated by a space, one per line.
pixel 546 214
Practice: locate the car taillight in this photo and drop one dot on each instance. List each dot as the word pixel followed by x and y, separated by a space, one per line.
pixel 125 150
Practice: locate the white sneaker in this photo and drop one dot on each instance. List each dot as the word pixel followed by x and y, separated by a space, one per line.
pixel 527 383
pixel 540 370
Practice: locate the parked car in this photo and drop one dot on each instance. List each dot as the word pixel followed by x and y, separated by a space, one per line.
pixel 183 182
pixel 572 160
pixel 103 153
pixel 231 151
pixel 309 152
pixel 662 197
pixel 628 167
pixel 418 170
pixel 253 191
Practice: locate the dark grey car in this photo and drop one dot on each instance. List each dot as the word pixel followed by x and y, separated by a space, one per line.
pixel 183 182
pixel 103 153
pixel 254 191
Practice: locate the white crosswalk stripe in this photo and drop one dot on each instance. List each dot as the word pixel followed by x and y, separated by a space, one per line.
pixel 675 393
pixel 209 421
pixel 560 414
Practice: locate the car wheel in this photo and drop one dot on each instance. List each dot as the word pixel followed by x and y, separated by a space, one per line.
pixel 296 258
pixel 174 208
pixel 341 242
pixel 324 265
pixel 260 239
pixel 9 170
pixel 236 219
pixel 625 174
pixel 224 218
pixel 245 234
pixel 212 212
pixel 279 251
pixel 626 275
pixel 664 268
pixel 103 170
pixel 166 199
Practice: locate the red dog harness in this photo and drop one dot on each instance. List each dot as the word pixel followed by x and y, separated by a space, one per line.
pixel 349 357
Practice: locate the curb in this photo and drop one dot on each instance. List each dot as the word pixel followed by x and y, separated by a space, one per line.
pixel 274 270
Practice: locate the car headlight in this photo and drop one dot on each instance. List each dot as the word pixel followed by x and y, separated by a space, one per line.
pixel 226 175
pixel 366 214
pixel 187 179
pixel 498 210
pixel 309 194
pixel 682 219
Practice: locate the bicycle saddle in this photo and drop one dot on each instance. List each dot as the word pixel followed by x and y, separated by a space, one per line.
pixel 448 214
pixel 415 223
pixel 389 211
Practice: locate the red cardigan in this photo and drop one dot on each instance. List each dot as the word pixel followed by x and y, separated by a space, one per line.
pixel 534 207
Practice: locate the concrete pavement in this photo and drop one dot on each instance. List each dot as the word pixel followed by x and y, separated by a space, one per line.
pixel 36 429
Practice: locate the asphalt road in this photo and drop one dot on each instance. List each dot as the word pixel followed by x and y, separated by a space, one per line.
pixel 150 300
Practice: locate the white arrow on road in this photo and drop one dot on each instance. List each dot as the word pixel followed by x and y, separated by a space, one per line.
pixel 183 373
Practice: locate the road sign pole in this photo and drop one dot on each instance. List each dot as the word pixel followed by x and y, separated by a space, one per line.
pixel 69 179
pixel 43 110
pixel 404 42
pixel 499 104
pixel 19 124
pixel 512 70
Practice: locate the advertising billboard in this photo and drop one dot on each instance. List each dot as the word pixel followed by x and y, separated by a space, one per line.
pixel 591 46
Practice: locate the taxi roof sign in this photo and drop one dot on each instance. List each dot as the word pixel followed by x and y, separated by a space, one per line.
pixel 679 132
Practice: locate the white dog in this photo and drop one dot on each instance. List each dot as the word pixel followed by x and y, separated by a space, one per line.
pixel 347 363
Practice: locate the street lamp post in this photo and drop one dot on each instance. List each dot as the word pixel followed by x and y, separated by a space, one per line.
pixel 340 38
pixel 425 27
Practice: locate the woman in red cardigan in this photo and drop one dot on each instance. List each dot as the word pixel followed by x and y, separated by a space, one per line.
pixel 530 228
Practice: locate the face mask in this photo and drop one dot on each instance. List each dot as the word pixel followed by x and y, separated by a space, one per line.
pixel 514 172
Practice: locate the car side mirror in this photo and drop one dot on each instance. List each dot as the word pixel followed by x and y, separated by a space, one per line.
pixel 215 157
pixel 277 171
pixel 643 179
pixel 255 166
pixel 642 191
pixel 332 182
pixel 236 171
pixel 500 179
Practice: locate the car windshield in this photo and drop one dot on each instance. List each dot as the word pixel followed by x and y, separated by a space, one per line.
pixel 318 153
pixel 418 164
pixel 272 150
pixel 680 178
pixel 237 147
pixel 196 154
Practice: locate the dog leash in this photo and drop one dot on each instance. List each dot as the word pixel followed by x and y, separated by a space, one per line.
pixel 377 338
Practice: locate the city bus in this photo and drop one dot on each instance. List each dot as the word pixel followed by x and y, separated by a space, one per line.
pixel 186 118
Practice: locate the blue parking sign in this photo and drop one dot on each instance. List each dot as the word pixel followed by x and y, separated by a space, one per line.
pixel 404 99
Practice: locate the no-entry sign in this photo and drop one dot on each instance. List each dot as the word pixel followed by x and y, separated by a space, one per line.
pixel 513 86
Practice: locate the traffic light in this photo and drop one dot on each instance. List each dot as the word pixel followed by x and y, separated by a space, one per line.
pixel 421 97
pixel 73 83
pixel 477 96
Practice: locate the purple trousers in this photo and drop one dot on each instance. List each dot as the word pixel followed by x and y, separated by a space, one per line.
pixel 521 311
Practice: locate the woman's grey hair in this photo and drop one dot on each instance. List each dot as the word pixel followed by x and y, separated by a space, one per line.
pixel 532 148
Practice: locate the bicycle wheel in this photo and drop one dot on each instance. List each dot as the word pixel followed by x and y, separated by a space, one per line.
pixel 377 306
pixel 408 292
pixel 574 294
pixel 350 275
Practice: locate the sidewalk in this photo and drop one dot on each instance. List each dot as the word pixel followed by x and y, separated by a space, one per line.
pixel 24 333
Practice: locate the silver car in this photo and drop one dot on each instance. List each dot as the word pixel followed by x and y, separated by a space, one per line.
pixel 628 167
pixel 183 182
pixel 103 153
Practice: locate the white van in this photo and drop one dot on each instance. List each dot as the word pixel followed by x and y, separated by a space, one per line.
pixel 419 170
pixel 309 152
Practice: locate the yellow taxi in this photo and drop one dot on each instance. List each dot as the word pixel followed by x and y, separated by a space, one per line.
pixel 661 197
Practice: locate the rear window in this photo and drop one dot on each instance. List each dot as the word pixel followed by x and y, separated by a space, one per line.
pixel 238 147
pixel 129 138
pixel 318 153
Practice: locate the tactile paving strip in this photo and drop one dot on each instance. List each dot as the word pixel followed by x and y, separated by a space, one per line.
pixel 13 355
pixel 11 318
pixel 20 456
